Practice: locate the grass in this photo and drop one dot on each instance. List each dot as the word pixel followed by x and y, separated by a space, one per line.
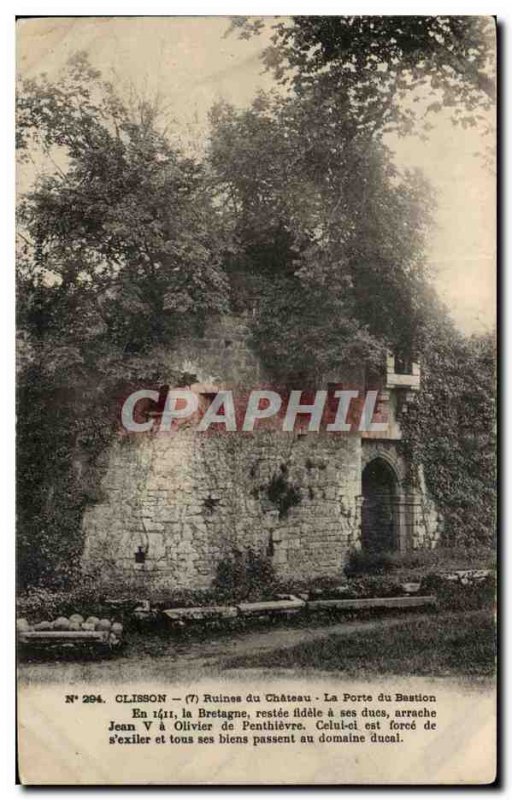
pixel 415 564
pixel 453 643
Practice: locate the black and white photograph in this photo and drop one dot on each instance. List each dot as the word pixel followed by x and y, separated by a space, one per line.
pixel 256 384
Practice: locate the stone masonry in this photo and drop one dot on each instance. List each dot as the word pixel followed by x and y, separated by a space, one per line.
pixel 173 506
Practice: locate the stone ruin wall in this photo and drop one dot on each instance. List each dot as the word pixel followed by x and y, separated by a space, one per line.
pixel 187 500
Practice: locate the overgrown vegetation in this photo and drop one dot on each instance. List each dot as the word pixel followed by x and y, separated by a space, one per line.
pixel 416 564
pixel 245 575
pixel 296 214
pixel 452 432
pixel 320 218
pixel 283 494
pixel 378 68
pixel 118 253
pixel 438 645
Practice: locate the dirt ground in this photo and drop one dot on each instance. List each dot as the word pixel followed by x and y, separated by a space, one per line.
pixel 167 658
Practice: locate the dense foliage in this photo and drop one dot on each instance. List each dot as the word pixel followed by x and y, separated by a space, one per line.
pixel 378 68
pixel 119 253
pixel 327 235
pixel 452 432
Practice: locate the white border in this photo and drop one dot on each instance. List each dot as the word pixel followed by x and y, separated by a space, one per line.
pixel 240 7
pixel 178 7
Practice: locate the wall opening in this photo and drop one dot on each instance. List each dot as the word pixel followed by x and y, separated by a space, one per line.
pixel 379 524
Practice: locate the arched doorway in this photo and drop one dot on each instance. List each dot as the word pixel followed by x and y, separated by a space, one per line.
pixel 379 528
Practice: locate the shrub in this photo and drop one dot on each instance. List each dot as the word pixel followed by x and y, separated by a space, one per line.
pixel 283 495
pixel 89 598
pixel 414 564
pixel 459 596
pixel 245 575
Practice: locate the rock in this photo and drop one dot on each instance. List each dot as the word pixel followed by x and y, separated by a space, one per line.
pixel 61 624
pixel 411 587
pixel 45 625
pixel 200 612
pixel 270 606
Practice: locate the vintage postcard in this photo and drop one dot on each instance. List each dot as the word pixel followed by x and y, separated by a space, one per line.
pixel 256 382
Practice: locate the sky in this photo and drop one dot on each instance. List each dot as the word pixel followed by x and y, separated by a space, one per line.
pixel 192 63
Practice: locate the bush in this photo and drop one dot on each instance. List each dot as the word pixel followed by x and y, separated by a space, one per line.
pixel 414 564
pixel 37 604
pixel 458 596
pixel 245 575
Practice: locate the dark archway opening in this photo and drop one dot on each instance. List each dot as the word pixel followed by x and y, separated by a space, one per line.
pixel 378 512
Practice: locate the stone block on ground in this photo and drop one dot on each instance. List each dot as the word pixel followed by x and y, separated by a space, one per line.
pixel 200 613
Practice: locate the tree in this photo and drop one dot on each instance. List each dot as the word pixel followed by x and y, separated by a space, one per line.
pixel 355 79
pixel 119 254
pixel 378 67
pixel 128 219
pixel 328 235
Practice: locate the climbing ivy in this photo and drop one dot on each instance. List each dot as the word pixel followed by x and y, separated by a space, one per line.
pixel 451 432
